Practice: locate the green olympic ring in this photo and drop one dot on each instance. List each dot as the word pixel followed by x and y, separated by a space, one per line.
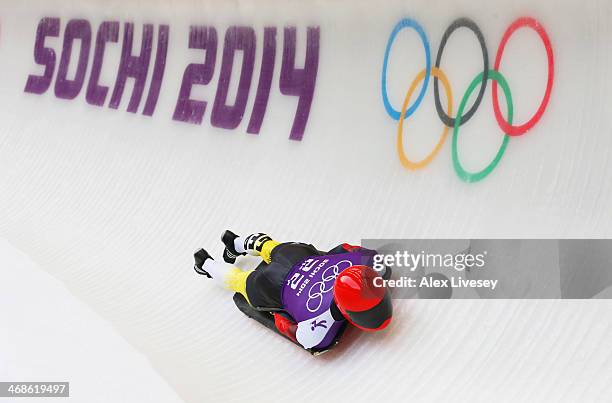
pixel 477 176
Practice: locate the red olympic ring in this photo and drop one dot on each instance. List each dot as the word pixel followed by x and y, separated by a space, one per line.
pixel 535 25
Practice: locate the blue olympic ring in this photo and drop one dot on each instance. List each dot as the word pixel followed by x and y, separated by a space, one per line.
pixel 406 23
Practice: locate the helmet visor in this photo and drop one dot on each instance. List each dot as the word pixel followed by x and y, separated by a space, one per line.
pixel 375 317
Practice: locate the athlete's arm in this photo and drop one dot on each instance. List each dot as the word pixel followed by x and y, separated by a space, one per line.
pixel 308 333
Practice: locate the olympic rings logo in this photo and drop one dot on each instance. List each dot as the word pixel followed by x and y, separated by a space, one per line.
pixel 325 285
pixel 482 78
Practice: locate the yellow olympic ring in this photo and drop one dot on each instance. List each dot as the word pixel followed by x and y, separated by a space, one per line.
pixel 412 165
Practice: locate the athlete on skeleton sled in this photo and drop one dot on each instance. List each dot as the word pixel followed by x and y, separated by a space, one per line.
pixel 302 293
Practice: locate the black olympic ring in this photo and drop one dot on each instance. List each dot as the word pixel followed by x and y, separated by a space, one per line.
pixel 471 25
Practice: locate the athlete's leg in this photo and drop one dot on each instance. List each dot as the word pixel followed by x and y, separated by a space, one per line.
pixel 258 244
pixel 226 275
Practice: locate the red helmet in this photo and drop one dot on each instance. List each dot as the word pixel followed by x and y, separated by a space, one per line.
pixel 358 298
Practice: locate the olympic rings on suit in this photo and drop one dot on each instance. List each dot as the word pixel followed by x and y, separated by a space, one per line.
pixel 325 285
pixel 482 78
